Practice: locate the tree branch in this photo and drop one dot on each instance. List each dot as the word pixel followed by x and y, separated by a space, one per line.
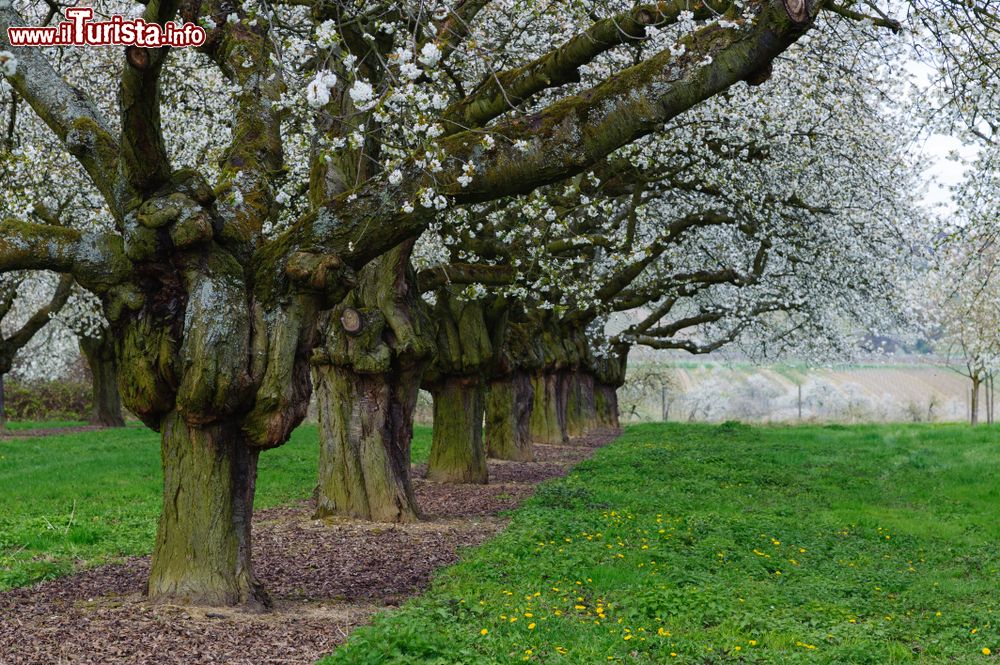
pixel 143 151
pixel 456 26
pixel 852 15
pixel 97 260
pixel 561 141
pixel 499 92
pixel 464 273
pixel 20 339
pixel 245 55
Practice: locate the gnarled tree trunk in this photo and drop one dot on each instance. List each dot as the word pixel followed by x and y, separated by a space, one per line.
pixel 457 451
pixel 366 424
pixel 469 336
pixel 367 375
pixel 202 553
pixel 107 404
pixel 508 415
pixel 213 352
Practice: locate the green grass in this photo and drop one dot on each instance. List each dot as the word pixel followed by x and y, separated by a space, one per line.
pixel 730 544
pixel 76 500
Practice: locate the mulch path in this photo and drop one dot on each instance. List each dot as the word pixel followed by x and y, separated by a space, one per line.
pixel 325 577
pixel 47 431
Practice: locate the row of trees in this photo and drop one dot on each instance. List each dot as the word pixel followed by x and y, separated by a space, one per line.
pixel 362 200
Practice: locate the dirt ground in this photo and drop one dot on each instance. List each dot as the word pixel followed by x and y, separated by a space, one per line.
pixel 325 577
pixel 48 431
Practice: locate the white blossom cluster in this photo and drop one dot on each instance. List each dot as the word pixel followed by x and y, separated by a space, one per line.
pixel 815 165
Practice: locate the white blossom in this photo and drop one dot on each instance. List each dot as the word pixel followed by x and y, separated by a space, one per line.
pixel 430 54
pixel 362 94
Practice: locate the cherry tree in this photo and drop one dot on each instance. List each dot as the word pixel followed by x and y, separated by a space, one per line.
pixel 958 302
pixel 959 298
pixel 386 345
pixel 42 185
pixel 743 271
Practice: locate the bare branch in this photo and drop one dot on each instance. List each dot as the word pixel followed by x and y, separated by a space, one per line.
pixel 464 273
pixel 37 321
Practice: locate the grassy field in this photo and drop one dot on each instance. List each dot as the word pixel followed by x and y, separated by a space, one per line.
pixel 726 544
pixel 714 392
pixel 76 500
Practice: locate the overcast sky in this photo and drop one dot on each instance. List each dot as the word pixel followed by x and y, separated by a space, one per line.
pixel 942 172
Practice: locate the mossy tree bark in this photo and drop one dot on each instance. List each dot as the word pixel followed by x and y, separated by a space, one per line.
pixel 469 334
pixel 606 403
pixel 609 375
pixel 581 415
pixel 213 352
pixel 457 451
pixel 367 380
pixel 571 388
pixel 366 424
pixel 547 419
pixel 202 552
pixel 561 351
pixel 508 414
pixel 107 404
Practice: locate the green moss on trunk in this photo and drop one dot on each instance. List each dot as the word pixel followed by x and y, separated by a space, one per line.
pixel 508 413
pixel 202 553
pixel 606 406
pixel 457 451
pixel 581 415
pixel 571 390
pixel 367 381
pixel 366 424
pixel 546 418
